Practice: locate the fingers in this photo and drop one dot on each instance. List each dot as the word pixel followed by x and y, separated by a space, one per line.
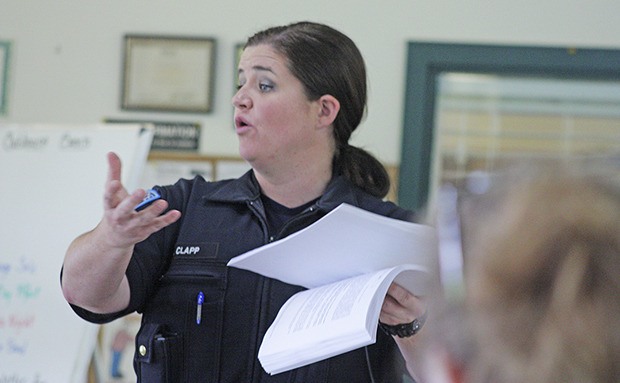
pixel 127 226
pixel 399 293
pixel 151 219
pixel 153 213
pixel 114 192
pixel 129 203
pixel 400 306
pixel 126 208
pixel 159 220
pixel 114 167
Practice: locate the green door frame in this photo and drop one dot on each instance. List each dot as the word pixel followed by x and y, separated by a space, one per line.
pixel 427 60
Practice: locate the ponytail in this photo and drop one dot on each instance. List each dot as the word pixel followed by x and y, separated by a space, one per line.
pixel 363 170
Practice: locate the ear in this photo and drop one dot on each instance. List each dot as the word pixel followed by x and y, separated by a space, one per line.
pixel 329 107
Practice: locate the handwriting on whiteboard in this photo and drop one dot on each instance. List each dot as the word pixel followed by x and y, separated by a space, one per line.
pixel 18 286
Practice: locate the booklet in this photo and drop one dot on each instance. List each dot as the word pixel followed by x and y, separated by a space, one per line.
pixel 346 260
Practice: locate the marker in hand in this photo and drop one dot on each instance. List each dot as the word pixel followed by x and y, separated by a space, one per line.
pixel 199 301
pixel 151 196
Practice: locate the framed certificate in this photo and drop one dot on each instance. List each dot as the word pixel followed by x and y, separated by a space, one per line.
pixel 168 74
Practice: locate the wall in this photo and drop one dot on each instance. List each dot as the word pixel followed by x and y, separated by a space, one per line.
pixel 66 59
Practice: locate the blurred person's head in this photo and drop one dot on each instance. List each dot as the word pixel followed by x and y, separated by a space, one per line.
pixel 542 276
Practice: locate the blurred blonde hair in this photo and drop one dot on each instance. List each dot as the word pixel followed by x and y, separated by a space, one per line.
pixel 543 275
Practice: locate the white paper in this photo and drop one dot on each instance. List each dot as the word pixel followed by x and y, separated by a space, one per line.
pixel 347 260
pixel 319 323
pixel 348 241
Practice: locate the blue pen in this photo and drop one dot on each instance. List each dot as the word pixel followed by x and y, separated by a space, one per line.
pixel 199 301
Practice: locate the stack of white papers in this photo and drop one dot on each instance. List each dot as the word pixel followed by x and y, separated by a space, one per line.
pixel 347 260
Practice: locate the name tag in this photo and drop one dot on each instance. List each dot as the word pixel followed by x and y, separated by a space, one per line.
pixel 208 250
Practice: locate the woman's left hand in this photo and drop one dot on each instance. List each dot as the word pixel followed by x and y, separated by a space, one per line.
pixel 400 306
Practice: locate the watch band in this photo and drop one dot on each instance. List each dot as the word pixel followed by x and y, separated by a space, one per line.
pixel 404 330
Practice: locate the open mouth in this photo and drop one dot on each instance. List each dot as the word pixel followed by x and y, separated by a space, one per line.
pixel 240 123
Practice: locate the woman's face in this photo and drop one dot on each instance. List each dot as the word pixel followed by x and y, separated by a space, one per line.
pixel 274 120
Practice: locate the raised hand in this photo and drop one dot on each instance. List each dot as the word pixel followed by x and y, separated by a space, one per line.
pixel 122 223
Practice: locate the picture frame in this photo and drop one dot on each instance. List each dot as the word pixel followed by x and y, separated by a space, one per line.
pixel 168 73
pixel 5 53
pixel 237 52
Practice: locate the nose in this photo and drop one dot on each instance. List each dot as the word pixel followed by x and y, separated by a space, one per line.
pixel 241 99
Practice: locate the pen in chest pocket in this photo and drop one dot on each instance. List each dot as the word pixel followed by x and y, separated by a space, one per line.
pixel 199 301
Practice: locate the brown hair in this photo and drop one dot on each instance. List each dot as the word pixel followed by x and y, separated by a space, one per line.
pixel 543 278
pixel 328 62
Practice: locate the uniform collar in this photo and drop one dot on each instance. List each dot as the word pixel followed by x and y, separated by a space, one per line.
pixel 246 188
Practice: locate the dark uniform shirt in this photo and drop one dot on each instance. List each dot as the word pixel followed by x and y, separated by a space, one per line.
pixel 219 221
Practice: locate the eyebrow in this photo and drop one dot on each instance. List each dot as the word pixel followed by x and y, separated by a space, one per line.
pixel 258 68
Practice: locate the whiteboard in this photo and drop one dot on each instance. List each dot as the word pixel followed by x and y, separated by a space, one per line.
pixel 51 190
